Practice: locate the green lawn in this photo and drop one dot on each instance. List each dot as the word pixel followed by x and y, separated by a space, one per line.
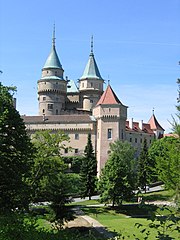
pixel 164 195
pixel 116 220
pixel 86 202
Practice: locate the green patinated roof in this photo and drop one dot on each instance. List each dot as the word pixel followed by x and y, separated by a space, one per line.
pixel 91 70
pixel 52 60
pixel 72 87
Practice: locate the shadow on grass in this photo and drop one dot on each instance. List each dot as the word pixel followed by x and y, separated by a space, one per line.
pixel 136 210
pixel 89 233
pixel 132 210
pixel 95 210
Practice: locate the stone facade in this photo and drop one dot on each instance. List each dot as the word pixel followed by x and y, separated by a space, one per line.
pixel 86 109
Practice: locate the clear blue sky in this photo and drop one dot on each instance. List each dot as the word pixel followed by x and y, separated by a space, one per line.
pixel 136 46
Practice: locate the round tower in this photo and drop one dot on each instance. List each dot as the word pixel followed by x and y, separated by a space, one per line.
pixel 91 83
pixel 52 87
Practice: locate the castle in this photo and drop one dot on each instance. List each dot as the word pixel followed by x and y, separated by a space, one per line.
pixel 86 109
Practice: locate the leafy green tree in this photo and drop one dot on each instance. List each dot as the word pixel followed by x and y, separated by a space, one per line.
pixel 88 172
pixel 144 167
pixel 15 155
pixel 117 178
pixel 48 161
pixel 49 178
pixel 166 153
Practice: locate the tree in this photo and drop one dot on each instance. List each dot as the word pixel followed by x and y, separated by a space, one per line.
pixel 176 122
pixel 88 171
pixel 48 161
pixel 117 178
pixel 144 168
pixel 49 178
pixel 166 153
pixel 16 155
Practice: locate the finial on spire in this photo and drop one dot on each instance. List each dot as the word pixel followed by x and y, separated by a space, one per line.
pixel 53 39
pixel 153 110
pixel 92 44
pixel 108 80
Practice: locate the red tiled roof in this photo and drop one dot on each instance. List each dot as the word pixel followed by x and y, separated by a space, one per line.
pixel 136 128
pixel 108 97
pixel 154 123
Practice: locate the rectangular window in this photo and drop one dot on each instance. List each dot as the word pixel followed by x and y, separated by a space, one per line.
pixel 44 98
pixel 66 150
pixel 135 140
pixel 76 136
pixel 50 106
pixel 130 139
pixel 76 150
pixel 109 133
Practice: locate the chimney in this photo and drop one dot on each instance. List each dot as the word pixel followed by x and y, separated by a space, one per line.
pixel 131 123
pixel 141 124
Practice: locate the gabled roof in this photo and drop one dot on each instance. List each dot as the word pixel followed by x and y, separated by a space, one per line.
pixel 80 118
pixel 91 70
pixel 108 97
pixel 154 123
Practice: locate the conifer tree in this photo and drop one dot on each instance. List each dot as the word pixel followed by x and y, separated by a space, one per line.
pixel 15 155
pixel 88 171
pixel 143 167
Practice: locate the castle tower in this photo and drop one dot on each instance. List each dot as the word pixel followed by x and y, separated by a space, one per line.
pixel 52 87
pixel 111 117
pixel 91 83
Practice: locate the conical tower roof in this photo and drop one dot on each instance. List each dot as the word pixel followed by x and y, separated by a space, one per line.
pixel 108 97
pixel 154 123
pixel 53 59
pixel 91 70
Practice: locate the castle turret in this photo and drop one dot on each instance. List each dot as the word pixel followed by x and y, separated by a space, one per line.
pixel 52 87
pixel 156 127
pixel 111 116
pixel 91 83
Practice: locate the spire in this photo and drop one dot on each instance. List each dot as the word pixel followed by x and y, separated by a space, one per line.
pixel 91 70
pixel 53 38
pixel 92 44
pixel 53 59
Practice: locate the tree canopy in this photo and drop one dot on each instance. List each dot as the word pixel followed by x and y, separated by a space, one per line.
pixel 16 153
pixel 116 180
pixel 166 153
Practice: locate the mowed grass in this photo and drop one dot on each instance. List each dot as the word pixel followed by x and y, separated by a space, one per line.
pixel 163 195
pixel 116 221
pixel 84 203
